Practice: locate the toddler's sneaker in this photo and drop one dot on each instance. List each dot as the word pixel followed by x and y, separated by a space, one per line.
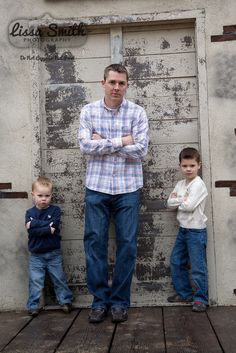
pixel 33 312
pixel 198 307
pixel 66 308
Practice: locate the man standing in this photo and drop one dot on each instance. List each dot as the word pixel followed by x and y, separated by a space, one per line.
pixel 114 135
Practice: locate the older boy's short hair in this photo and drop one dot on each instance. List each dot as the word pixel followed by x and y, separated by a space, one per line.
pixel 189 153
pixel 42 180
pixel 117 68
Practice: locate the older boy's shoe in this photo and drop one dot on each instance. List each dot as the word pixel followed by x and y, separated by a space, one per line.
pixel 199 307
pixel 66 308
pixel 33 312
pixel 178 299
pixel 97 315
pixel 119 315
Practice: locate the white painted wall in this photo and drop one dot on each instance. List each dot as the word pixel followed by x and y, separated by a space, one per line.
pixel 16 127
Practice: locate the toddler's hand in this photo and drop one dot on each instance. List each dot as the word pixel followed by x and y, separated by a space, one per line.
pixel 173 195
pixel 28 225
pixel 52 229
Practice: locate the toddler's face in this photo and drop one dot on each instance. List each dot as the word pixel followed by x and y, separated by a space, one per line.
pixel 42 196
pixel 189 168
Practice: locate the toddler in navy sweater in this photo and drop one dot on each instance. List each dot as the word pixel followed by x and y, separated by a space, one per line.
pixel 44 243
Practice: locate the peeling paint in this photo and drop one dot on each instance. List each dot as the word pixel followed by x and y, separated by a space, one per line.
pixel 164 44
pixel 59 67
pixel 187 41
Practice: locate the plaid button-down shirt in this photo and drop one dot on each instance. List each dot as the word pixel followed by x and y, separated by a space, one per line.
pixel 111 167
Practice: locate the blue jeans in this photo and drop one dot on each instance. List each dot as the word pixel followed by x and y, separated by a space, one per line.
pixel 124 208
pixel 190 248
pixel 38 264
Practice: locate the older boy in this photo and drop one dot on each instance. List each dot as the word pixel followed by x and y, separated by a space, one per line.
pixel 42 222
pixel 189 197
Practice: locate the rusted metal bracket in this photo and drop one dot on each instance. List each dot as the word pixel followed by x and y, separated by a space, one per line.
pixel 231 184
pixel 11 194
pixel 229 33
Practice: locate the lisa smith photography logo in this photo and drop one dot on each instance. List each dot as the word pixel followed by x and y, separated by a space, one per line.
pixel 22 34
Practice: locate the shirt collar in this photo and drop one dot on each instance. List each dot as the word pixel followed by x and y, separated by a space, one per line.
pixel 123 103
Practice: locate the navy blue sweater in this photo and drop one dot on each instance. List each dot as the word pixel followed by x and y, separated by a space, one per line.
pixel 41 240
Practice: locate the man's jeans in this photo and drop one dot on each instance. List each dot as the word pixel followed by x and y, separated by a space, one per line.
pixel 38 264
pixel 125 211
pixel 190 248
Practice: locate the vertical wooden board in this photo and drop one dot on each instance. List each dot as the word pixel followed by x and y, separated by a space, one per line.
pixel 174 132
pixel 223 319
pixel 142 333
pixel 154 88
pixel 67 62
pixel 190 332
pixel 159 179
pixel 84 337
pixel 166 155
pixel 169 107
pixel 164 66
pixel 87 48
pixel 157 224
pixel 151 293
pixel 10 324
pixel 154 40
pixel 72 162
pixel 43 334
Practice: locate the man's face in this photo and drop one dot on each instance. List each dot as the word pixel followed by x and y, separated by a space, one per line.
pixel 115 87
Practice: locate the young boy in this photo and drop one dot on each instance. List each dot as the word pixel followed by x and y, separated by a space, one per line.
pixel 44 242
pixel 189 197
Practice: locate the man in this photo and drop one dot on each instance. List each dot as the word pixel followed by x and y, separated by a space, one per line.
pixel 114 135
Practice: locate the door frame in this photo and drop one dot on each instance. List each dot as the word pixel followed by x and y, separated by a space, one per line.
pixel 116 22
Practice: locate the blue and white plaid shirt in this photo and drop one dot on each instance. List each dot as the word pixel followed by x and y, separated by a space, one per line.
pixel 111 167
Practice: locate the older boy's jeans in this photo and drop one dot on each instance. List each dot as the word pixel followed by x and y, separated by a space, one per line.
pixel 38 264
pixel 125 211
pixel 190 248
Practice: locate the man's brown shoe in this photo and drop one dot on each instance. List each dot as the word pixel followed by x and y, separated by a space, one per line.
pixel 97 315
pixel 119 315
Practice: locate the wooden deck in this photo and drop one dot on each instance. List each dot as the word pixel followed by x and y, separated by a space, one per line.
pixel 172 329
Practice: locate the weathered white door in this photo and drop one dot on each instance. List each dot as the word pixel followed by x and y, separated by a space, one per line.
pixel 161 63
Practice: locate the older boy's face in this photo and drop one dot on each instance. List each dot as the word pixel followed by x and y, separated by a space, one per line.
pixel 42 196
pixel 189 168
pixel 115 87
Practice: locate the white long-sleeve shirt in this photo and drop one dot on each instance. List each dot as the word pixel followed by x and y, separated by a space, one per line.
pixel 190 201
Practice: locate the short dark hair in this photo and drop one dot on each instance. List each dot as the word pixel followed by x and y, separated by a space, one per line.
pixel 189 153
pixel 117 68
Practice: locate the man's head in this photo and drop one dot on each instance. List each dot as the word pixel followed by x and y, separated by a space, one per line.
pixel 42 192
pixel 116 68
pixel 115 84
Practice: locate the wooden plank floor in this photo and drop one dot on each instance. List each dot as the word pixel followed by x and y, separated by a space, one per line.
pixel 172 329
